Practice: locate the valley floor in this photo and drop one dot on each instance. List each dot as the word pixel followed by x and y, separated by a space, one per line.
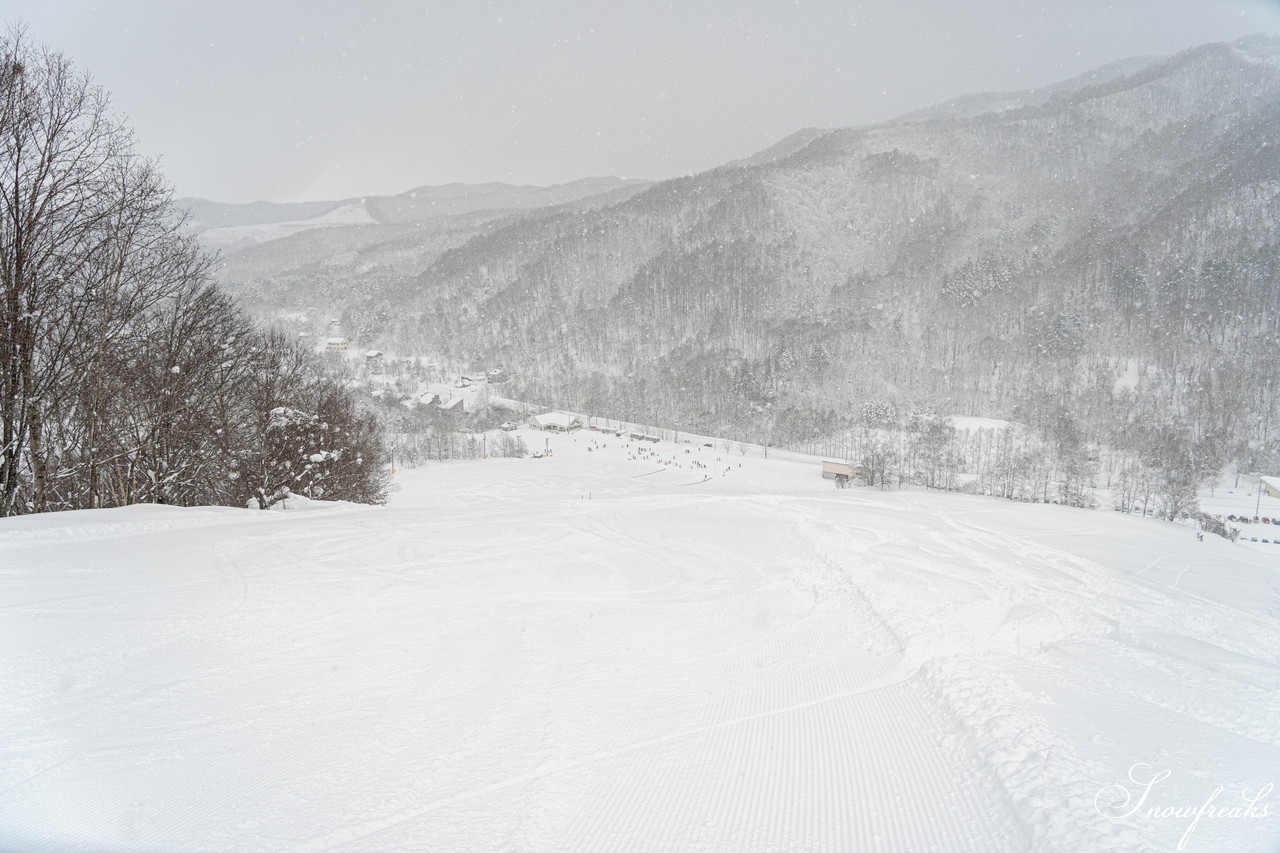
pixel 616 649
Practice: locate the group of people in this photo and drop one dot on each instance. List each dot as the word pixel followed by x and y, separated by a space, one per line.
pixel 647 453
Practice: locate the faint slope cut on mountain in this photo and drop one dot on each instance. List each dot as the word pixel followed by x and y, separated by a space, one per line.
pixel 243 236
pixel 238 226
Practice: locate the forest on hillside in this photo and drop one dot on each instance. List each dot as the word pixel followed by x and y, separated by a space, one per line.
pixel 1098 262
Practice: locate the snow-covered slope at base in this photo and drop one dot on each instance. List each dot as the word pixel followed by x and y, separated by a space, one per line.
pixel 615 649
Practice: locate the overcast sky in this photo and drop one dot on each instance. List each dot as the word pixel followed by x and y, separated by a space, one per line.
pixel 289 100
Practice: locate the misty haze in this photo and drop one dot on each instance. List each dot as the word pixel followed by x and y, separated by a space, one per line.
pixel 784 427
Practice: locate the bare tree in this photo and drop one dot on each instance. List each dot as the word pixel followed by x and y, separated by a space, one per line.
pixel 125 375
pixel 89 240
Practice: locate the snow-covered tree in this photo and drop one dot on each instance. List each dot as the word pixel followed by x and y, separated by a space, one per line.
pixel 125 376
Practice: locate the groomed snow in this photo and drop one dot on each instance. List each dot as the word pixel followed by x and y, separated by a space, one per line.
pixel 615 649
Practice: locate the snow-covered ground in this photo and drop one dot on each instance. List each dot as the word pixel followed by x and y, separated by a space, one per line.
pixel 617 649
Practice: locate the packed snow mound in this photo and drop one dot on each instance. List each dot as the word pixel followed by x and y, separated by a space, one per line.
pixel 631 646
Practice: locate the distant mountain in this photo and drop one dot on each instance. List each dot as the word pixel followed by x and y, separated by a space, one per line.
pixel 205 214
pixel 1102 253
pixel 411 206
pixel 239 230
pixel 424 203
pixel 274 253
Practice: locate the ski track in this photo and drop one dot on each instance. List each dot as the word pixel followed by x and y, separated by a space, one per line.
pixel 985 709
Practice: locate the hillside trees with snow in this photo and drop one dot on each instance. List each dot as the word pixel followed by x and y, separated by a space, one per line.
pixel 325 449
pixel 1078 249
pixel 125 375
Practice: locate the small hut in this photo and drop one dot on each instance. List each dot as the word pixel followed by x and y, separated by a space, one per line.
pixel 841 472
pixel 1272 486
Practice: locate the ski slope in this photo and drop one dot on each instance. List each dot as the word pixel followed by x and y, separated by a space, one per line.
pixel 242 236
pixel 632 648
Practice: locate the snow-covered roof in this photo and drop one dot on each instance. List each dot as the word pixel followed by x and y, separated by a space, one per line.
pixel 560 419
pixel 336 340
pixel 1273 482
pixel 373 353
